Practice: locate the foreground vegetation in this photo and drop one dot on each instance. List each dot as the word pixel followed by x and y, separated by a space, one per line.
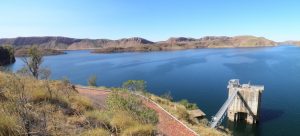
pixel 41 107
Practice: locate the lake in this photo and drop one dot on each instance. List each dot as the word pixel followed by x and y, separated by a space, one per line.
pixel 201 76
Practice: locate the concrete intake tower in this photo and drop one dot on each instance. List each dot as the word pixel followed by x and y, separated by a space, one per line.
pixel 246 105
pixel 243 104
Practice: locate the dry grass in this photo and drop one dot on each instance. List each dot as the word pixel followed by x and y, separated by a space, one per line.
pixel 122 123
pixel 9 125
pixel 180 112
pixel 41 107
pixel 80 103
pixel 31 107
pixel 140 130
pixel 96 132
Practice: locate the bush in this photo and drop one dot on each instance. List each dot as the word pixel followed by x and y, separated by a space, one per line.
pixel 99 118
pixel 182 113
pixel 132 105
pixel 147 116
pixel 123 120
pixel 96 132
pixel 9 125
pixel 39 95
pixel 135 85
pixel 80 103
pixel 141 130
pixel 6 55
pixel 188 105
pixel 167 96
pixel 92 81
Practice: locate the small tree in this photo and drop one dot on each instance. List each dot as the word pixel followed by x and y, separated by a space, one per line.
pixel 33 61
pixel 45 74
pixel 11 51
pixel 167 96
pixel 135 85
pixel 92 81
pixel 67 87
pixel 188 105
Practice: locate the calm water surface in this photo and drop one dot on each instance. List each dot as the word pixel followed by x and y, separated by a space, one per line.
pixel 201 76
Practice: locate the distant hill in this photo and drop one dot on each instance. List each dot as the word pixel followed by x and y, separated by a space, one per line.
pixel 136 43
pixel 221 41
pixel 71 43
pixel 291 43
pixel 6 56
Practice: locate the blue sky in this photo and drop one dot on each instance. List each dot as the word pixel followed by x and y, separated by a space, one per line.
pixel 151 19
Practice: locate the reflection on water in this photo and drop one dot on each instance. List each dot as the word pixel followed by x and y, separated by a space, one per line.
pixel 243 129
pixel 270 114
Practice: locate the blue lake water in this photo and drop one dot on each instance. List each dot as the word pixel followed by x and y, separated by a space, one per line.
pixel 201 76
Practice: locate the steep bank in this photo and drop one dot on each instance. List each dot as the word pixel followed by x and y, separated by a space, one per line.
pixel 6 56
pixel 136 43
pixel 43 107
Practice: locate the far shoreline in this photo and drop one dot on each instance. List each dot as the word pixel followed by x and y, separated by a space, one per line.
pixel 128 51
pixel 92 50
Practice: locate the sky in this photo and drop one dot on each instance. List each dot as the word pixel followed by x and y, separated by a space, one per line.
pixel 154 20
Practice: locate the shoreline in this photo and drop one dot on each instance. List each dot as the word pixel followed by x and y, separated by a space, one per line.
pixel 128 51
pixel 125 50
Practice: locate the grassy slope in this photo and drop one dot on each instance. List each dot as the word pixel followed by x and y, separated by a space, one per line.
pixel 181 113
pixel 28 107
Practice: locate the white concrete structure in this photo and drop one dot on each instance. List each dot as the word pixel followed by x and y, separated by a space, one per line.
pixel 246 105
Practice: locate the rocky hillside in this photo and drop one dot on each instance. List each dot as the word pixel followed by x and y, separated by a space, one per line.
pixel 6 56
pixel 291 43
pixel 136 43
pixel 221 41
pixel 71 43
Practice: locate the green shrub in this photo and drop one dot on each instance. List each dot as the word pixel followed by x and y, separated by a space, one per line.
pixel 135 85
pixel 92 81
pixel 167 96
pixel 188 105
pixel 147 115
pixel 131 104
